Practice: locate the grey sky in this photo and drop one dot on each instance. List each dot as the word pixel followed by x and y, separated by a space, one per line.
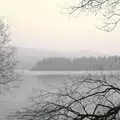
pixel 41 24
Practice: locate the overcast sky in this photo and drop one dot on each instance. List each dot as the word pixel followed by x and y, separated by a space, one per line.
pixel 42 24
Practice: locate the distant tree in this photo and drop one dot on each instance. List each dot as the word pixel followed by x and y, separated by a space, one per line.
pixel 7 58
pixel 82 63
pixel 110 9
pixel 88 98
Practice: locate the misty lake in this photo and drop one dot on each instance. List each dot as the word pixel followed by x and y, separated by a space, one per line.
pixel 32 82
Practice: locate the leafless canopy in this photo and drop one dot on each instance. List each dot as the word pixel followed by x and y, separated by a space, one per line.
pixel 86 98
pixel 110 9
pixel 7 59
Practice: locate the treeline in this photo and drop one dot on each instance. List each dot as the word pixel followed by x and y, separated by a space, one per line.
pixel 82 63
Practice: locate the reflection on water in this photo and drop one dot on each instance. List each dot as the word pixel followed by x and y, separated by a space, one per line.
pixel 32 82
pixel 28 72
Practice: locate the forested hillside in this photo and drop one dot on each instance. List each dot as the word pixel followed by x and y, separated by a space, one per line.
pixel 82 63
pixel 28 57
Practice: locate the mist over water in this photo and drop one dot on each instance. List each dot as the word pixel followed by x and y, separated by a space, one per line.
pixel 33 82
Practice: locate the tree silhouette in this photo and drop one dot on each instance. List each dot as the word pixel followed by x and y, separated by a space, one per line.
pixel 7 58
pixel 110 9
pixel 94 97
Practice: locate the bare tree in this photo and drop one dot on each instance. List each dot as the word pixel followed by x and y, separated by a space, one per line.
pixel 94 97
pixel 7 58
pixel 110 9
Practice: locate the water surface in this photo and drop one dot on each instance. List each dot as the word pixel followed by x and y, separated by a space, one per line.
pixel 33 81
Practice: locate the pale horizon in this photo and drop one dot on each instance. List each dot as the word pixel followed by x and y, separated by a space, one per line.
pixel 42 24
